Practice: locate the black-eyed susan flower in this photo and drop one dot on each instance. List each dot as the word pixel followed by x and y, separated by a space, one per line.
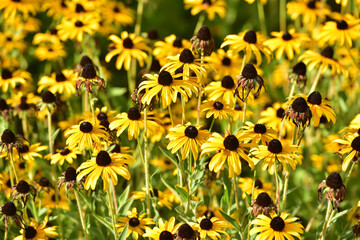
pixel 162 198
pixel 26 7
pixel 342 31
pixel 248 81
pixel 55 8
pixel 246 186
pixel 75 28
pixel 46 52
pixel 273 116
pixel 225 63
pixel 188 63
pixel 29 152
pixel 276 227
pixel 9 140
pixel 127 46
pixel 263 204
pixel 217 108
pixel 117 12
pixel 187 137
pixel 9 210
pixel 274 151
pixel 203 43
pixel 67 154
pixel 9 79
pixel 23 190
pixel 86 135
pixel 105 165
pixel 336 189
pixel 164 231
pixel 224 90
pixel 133 120
pixel 299 112
pixel 37 231
pixel 68 178
pixel 350 145
pixel 298 75
pixel 211 228
pixel 211 7
pixel 137 223
pixel 257 133
pixel 60 82
pixel 229 148
pixel 171 46
pixel 48 200
pixel 90 78
pixel 166 87
pixel 288 42
pixel 250 42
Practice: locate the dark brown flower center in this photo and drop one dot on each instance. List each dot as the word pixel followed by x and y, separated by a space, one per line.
pixel 204 33
pixel 79 8
pixel 48 97
pixel 22 165
pixel 238 107
pixel 153 34
pixel 70 174
pixel 8 137
pixel 280 113
pixel 23 104
pixel 249 71
pixel 258 184
pixel 275 146
pixel 9 209
pixel 191 132
pixel 165 78
pixel 334 180
pixel 60 77
pixel 16 0
pixel 105 123
pixel 206 224
pixel 328 52
pixel 185 231
pixel 260 128
pixel 134 222
pixel 6 74
pixel 102 116
pixel 231 143
pixel 44 182
pixel 250 37
pixel 355 144
pixel 103 159
pixel 65 152
pixel 23 148
pixel 218 105
pixel 208 2
pixel 117 148
pixel 30 232
pixel 116 9
pixel 311 4
pixel 277 223
pixel 299 105
pixel 79 23
pixel 128 43
pixel 227 82
pixel 166 235
pixel 23 187
pixel 300 69
pixel 86 127
pixel 342 25
pixel 177 42
pixel 3 105
pixel 263 200
pixel 88 71
pixel 85 60
pixel 134 114
pixel 186 56
pixel 286 36
pixel 226 61
pixel 315 98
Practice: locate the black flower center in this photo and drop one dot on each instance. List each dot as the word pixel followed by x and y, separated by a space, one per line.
pixel 275 146
pixel 86 127
pixel 300 69
pixel 8 137
pixel 154 192
pixel 23 148
pixel 299 105
pixel 116 149
pixel 250 37
pixel 88 71
pixel 153 34
pixel 53 31
pixel 206 224
pixel 209 214
pixel 185 231
pixel 134 114
pixel 227 82
pixel 165 78
pixel 355 144
pixel 16 0
pixel 60 77
pixel 249 71
pixel 238 107
pixel 311 4
pixel 258 184
pixel 79 23
pixel 204 33
pixel 8 183
pixel 226 61
pixel 277 223
pixel 208 2
pixel 85 60
pixel 231 143
pixel 133 222
pixel 103 159
pixel 218 105
pixel 286 36
pixel 22 165
pixel 315 98
pixel 328 52
pixel 342 25
pixel 263 200
pixel 44 182
pixel 48 97
pixel 30 232
pixel 166 235
pixel 116 9
pixel 6 74
pixel 65 152
pixel 191 132
pixel 79 8
pixel 260 128
pixel 23 104
pixel 105 124
pixel 128 43
pixel 177 42
pixel 102 116
pixel 70 174
pixel 3 105
pixel 334 180
pixel 280 113
pixel 23 187
pixel 186 56
pixel 9 209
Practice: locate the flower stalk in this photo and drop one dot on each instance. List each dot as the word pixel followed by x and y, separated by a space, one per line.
pixel 82 215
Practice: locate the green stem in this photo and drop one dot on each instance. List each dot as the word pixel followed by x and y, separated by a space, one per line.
pixel 183 119
pixel 244 113
pixel 348 222
pixel 349 175
pixel 86 101
pixel 6 234
pixel 212 124
pixel 25 125
pixel 12 165
pixel 316 81
pixel 92 109
pixel 82 216
pixel 237 200
pixel 328 211
pixel 140 10
pixel 131 77
pixel 282 15
pixel 112 214
pixel 261 14
pixel 277 186
pixel 199 97
pixel 146 164
pixel 170 114
pixel 307 229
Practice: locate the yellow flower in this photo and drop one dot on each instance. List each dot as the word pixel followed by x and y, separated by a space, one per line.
pixel 257 133
pixel 9 79
pixel 163 200
pixel 117 12
pixel 349 145
pixel 210 228
pixel 48 200
pixel 137 224
pixel 128 46
pixel 166 230
pixel 188 138
pixel 11 8
pixel 222 91
pixel 56 8
pixel 276 227
pixel 105 165
pixel 225 63
pixel 218 109
pixel 273 117
pixel 288 42
pixel 37 231
pixel 75 28
pixel 211 7
pixel 250 42
pixel 67 154
pixel 60 82
pixel 171 46
pixel 246 186
pixel 28 152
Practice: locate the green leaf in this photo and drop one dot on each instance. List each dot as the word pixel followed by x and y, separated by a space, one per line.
pixel 55 134
pixel 184 195
pixel 126 207
pixel 169 187
pixel 124 232
pixel 230 220
pixel 116 91
pixel 171 157
pixel 103 221
pixel 123 197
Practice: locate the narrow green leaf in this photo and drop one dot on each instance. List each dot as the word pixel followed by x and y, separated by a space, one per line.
pixel 182 193
pixel 124 232
pixel 167 154
pixel 103 221
pixel 230 220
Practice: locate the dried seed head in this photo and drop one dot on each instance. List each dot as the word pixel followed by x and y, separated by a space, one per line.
pixel 249 71
pixel 204 33
pixel 70 174
pixel 185 231
pixel 9 209
pixel 48 97
pixel 8 137
pixel 334 180
pixel 186 56
pixel 206 224
pixel 88 71
pixel 300 69
pixel 315 98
